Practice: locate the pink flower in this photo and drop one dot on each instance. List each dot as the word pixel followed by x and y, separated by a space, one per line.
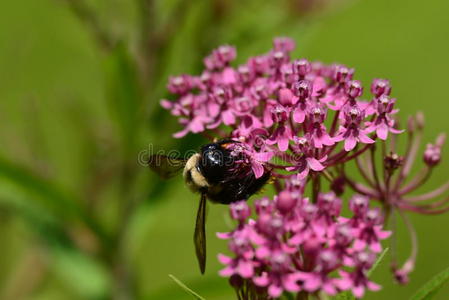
pixel 351 132
pixel 220 57
pixel 306 160
pixel 370 233
pixel 280 278
pixel 383 122
pixel 357 280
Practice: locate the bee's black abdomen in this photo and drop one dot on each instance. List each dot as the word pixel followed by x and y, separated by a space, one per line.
pixel 237 189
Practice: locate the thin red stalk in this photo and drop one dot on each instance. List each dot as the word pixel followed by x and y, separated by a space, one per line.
pixel 394 241
pixel 417 181
pixel 386 174
pixel 393 143
pixel 334 123
pixel 363 171
pixel 357 153
pixel 374 170
pixel 413 145
pixel 436 204
pixel 360 188
pixel 435 193
pixel 316 182
pixel 336 158
pixel 424 211
pixel 413 237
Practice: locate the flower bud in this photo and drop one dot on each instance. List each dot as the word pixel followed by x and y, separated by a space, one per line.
pixel 411 124
pixel 401 275
pixel 393 162
pixel 263 205
pixel 380 87
pixel 302 89
pixel 240 211
pixel 343 73
pixel 374 216
pixel 338 185
pixel 285 202
pixel 180 84
pixel 354 88
pixel 302 67
pixel 420 120
pixel 226 53
pixel 441 139
pixel 359 204
pixel 284 44
pixel 245 73
pixel 236 281
pixel 432 155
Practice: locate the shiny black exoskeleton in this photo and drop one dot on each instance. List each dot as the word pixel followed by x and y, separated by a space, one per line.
pixel 228 182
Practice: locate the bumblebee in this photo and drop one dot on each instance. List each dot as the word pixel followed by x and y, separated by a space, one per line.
pixel 215 173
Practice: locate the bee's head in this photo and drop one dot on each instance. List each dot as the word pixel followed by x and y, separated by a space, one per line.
pixel 215 161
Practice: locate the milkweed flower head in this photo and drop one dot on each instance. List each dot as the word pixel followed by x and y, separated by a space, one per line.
pixel 302 122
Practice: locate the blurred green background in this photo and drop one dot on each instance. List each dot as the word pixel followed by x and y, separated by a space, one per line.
pixel 80 83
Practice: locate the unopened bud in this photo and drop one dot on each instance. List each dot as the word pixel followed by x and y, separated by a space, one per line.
pixel 411 124
pixel 302 67
pixel 393 161
pixel 343 73
pixel 338 185
pixel 441 139
pixel 240 211
pixel 354 88
pixel 302 89
pixel 380 87
pixel 285 202
pixel 432 154
pixel 420 120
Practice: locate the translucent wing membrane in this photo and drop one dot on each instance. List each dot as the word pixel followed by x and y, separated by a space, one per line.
pixel 199 237
pixel 166 166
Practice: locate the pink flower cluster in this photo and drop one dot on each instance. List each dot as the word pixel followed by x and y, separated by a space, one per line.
pixel 272 101
pixel 294 245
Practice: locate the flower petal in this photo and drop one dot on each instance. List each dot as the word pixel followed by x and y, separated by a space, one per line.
pixel 257 168
pixel 314 164
pixel 350 143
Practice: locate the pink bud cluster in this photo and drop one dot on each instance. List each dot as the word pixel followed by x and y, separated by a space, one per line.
pixel 294 245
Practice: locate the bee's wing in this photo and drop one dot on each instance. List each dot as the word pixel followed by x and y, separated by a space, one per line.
pixel 166 166
pixel 199 237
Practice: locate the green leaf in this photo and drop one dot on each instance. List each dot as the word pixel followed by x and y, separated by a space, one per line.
pixel 87 277
pixel 124 95
pixel 185 288
pixel 431 288
pixel 47 195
